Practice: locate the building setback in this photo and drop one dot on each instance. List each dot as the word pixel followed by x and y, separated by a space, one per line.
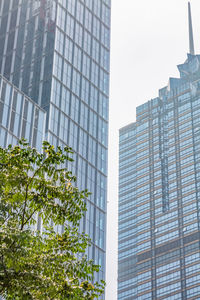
pixel 159 192
pixel 57 52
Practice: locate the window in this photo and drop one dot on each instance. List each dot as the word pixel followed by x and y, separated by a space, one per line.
pixel 57 66
pixel 70 26
pixel 59 44
pixel 77 58
pixel 88 20
pixel 80 12
pixel 61 17
pixel 67 74
pixel 78 34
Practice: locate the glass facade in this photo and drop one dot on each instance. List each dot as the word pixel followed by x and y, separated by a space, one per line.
pixel 159 194
pixel 20 117
pixel 57 52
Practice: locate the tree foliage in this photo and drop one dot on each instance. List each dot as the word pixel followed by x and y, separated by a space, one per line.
pixel 51 265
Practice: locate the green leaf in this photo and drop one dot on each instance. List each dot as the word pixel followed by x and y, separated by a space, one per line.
pixel 50 265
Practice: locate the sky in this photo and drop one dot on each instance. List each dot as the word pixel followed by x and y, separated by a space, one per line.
pixel 148 40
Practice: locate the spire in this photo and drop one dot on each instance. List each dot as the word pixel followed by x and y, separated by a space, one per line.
pixel 191 40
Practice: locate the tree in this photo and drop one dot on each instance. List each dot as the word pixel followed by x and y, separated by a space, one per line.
pixel 51 265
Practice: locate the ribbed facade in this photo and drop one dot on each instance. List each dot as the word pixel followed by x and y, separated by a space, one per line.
pixel 159 194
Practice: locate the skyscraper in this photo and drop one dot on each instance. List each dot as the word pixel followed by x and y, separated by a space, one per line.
pixel 159 192
pixel 57 53
pixel 19 117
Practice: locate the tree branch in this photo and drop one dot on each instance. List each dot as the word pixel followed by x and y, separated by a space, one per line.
pixel 4 268
pixel 24 210
pixel 28 219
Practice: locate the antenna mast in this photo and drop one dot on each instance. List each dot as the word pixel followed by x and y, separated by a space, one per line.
pixel 191 40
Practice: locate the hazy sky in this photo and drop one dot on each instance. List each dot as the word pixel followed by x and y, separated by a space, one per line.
pixel 148 40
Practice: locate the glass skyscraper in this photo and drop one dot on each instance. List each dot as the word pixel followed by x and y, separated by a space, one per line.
pixel 57 52
pixel 20 117
pixel 159 192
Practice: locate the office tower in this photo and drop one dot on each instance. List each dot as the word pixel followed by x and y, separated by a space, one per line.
pixel 57 53
pixel 19 117
pixel 159 192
